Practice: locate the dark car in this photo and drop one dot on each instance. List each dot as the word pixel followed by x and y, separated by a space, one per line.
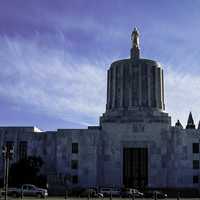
pixel 108 191
pixel 130 192
pixel 152 193
pixel 84 192
pixel 90 192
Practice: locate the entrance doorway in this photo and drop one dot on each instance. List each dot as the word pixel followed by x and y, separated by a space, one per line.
pixel 135 167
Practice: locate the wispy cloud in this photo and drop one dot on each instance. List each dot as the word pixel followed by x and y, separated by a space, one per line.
pixel 182 95
pixel 50 81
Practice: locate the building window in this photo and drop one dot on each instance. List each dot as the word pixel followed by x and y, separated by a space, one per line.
pixel 195 179
pixel 74 147
pixel 195 164
pixel 74 164
pixel 195 147
pixel 75 179
pixel 23 150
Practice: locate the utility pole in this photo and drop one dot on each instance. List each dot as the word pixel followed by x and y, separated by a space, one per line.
pixel 7 153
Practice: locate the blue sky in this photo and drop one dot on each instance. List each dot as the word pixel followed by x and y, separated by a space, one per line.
pixel 54 56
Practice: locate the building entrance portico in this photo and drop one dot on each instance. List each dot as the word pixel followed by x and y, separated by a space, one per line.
pixel 135 167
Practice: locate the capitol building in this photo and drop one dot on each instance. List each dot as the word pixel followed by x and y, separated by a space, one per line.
pixel 134 144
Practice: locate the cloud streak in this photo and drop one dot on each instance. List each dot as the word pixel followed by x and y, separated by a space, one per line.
pixel 50 81
pixel 182 95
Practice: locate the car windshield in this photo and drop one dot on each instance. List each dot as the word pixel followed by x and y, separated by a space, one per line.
pixel 31 187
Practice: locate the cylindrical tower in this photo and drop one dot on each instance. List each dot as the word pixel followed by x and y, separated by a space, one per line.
pixel 134 86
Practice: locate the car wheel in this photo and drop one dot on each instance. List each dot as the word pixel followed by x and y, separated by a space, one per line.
pixel 39 195
pixel 100 195
pixel 14 194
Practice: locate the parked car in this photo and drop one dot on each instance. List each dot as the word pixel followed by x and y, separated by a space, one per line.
pixel 152 193
pixel 28 190
pixel 84 192
pixel 90 192
pixel 110 191
pixel 130 192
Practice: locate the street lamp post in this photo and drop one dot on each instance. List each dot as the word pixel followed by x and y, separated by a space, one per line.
pixel 7 153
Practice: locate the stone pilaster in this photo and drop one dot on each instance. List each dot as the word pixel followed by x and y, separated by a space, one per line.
pixel 156 88
pixel 122 86
pixel 163 96
pixel 139 87
pixel 130 85
pixel 114 87
pixel 159 88
pixel 108 90
pixel 149 85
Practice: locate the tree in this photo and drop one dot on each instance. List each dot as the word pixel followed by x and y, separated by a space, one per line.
pixel 27 171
